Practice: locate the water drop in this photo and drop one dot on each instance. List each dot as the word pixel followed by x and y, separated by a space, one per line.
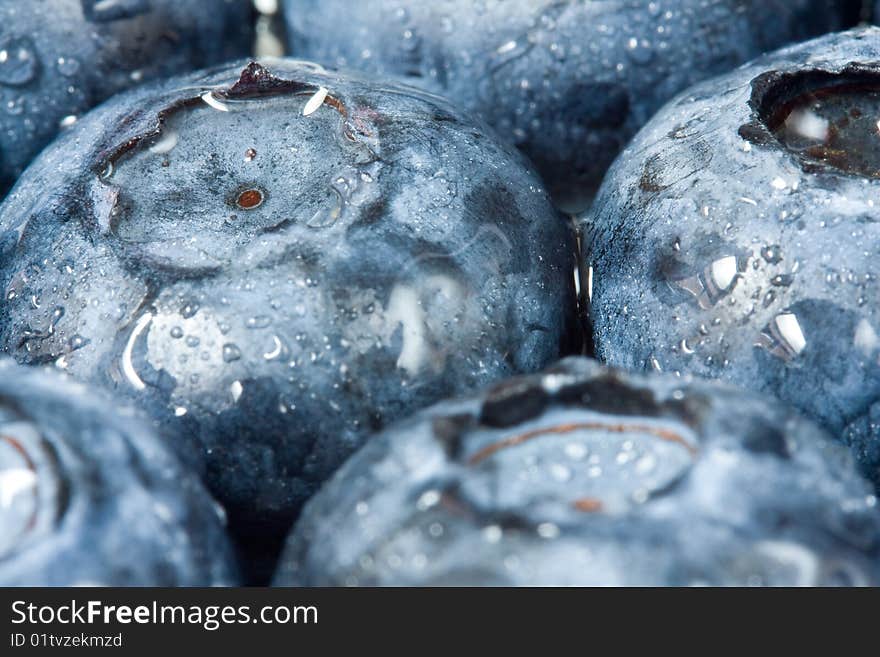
pixel 258 322
pixel 18 63
pixel 68 66
pixel 189 309
pixel 231 352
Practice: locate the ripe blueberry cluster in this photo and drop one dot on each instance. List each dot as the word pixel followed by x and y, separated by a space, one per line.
pixel 318 321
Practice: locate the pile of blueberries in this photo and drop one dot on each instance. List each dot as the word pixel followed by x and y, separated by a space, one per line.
pixel 495 292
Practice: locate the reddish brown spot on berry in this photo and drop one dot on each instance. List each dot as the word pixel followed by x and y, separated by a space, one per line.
pixel 588 505
pixel 559 429
pixel 250 199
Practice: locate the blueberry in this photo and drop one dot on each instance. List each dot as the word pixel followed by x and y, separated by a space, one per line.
pixel 607 479
pixel 275 262
pixel 58 58
pixel 568 82
pixel 88 496
pixel 738 236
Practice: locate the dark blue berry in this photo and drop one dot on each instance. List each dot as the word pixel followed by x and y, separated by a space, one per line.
pixel 90 497
pixel 607 479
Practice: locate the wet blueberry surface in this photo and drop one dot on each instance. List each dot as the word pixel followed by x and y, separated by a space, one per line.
pixel 569 82
pixel 91 497
pixel 274 260
pixel 58 58
pixel 587 476
pixel 736 237
pixel 266 321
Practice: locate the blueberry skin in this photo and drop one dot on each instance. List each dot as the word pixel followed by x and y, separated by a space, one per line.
pixel 276 260
pixel 716 249
pixel 583 475
pixel 89 496
pixel 568 82
pixel 58 58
